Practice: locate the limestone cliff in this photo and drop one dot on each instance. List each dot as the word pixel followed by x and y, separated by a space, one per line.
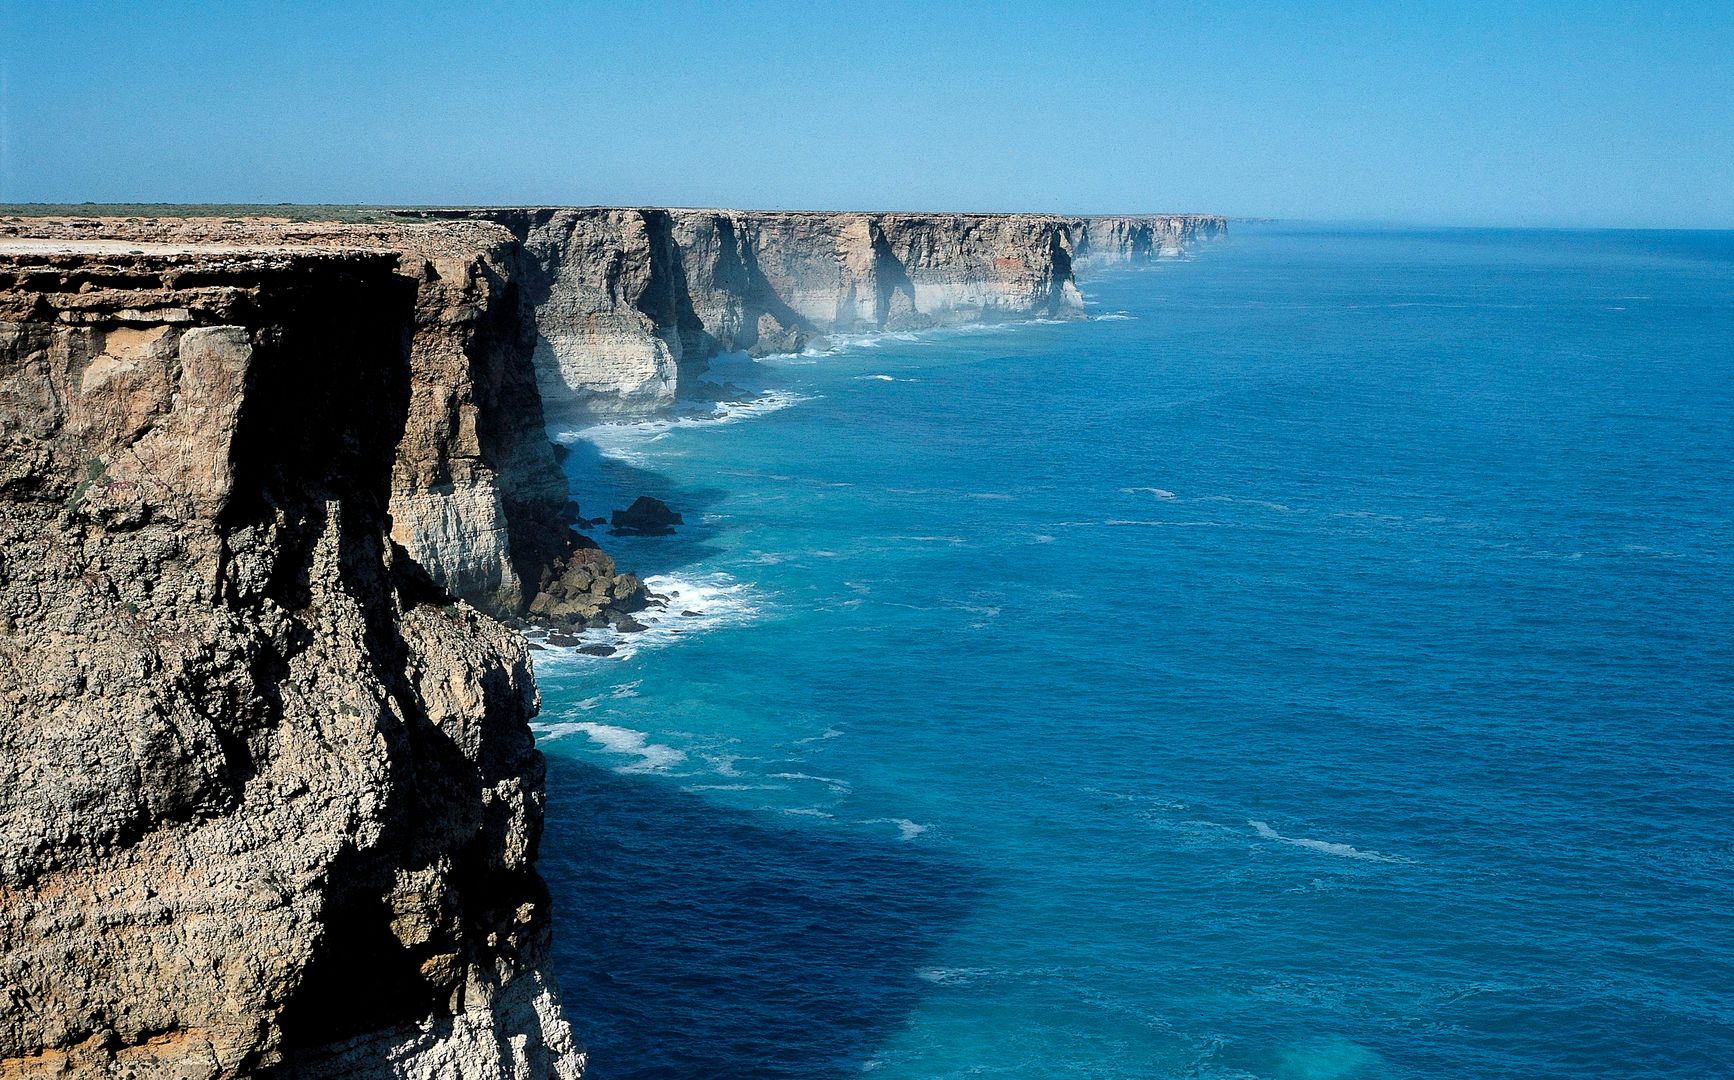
pixel 530 317
pixel 477 497
pixel 629 303
pixel 1106 241
pixel 270 801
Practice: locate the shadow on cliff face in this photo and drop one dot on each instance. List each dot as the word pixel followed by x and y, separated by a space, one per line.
pixel 693 940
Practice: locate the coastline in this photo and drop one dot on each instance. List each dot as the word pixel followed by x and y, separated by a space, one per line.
pixel 468 507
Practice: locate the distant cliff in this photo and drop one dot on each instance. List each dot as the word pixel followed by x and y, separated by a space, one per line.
pixel 629 303
pixel 1105 241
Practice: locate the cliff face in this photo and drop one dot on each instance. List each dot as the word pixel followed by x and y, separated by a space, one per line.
pixel 477 497
pixel 270 800
pixel 629 303
pixel 1105 241
pixel 526 318
pixel 475 486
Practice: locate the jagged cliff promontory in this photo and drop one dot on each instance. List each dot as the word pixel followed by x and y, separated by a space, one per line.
pixel 271 803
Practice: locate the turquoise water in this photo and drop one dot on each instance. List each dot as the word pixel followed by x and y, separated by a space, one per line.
pixel 1317 665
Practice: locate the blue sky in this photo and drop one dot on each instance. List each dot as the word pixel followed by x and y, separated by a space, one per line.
pixel 1520 114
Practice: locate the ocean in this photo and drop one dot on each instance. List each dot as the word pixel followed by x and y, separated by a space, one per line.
pixel 1317 664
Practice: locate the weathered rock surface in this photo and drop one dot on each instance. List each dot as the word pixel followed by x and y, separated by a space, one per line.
pixel 1107 241
pixel 645 517
pixel 629 303
pixel 269 798
pixel 526 317
pixel 585 590
pixel 477 496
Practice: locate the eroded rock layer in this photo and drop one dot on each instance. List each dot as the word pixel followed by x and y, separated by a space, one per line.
pixel 476 494
pixel 628 303
pixel 531 317
pixel 270 801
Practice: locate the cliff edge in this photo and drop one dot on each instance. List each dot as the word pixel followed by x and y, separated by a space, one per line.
pixel 527 319
pixel 271 803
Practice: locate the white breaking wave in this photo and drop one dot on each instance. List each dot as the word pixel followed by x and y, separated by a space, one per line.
pixel 943 976
pixel 652 757
pixel 833 344
pixel 691 605
pixel 626 440
pixel 723 764
pixel 1342 850
pixel 1160 493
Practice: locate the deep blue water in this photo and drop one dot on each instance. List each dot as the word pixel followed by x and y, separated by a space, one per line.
pixel 1320 667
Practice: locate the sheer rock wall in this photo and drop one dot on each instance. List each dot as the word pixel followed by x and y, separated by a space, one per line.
pixel 628 304
pixel 271 802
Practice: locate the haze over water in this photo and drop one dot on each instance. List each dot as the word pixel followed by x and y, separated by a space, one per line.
pixel 1316 665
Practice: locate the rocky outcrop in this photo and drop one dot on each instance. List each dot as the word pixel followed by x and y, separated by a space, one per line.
pixel 645 517
pixel 270 802
pixel 477 496
pixel 628 304
pixel 585 591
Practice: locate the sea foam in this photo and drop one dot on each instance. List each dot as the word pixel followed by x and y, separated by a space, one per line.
pixel 693 604
pixel 652 757
pixel 626 441
pixel 1341 850
pixel 906 830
